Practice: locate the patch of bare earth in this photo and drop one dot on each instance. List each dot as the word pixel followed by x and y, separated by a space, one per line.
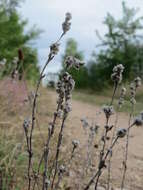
pixel 74 130
pixel 75 180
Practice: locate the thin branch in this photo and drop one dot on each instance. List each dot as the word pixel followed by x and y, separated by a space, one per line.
pixel 58 149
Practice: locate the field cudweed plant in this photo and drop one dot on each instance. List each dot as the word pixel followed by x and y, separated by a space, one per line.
pixel 52 168
pixel 53 174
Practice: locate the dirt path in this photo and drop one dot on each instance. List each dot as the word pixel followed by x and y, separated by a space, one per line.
pixel 74 130
pixel 135 163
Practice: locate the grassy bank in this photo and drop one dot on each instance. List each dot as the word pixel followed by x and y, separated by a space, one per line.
pixel 103 98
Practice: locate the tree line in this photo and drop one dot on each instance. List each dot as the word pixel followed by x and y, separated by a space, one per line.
pixel 122 44
pixel 14 37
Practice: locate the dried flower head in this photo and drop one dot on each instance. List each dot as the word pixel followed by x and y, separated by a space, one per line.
pixel 73 62
pixel 67 107
pixel 137 82
pixel 133 93
pixel 64 89
pixel 54 48
pixel 117 73
pixel 94 129
pixel 121 133
pixel 138 121
pixel 122 96
pixel 47 181
pixel 108 110
pixel 84 122
pixel 26 124
pixel 59 114
pixel 75 143
pixel 133 88
pixel 123 91
pixel 67 24
pixel 133 101
pixel 62 170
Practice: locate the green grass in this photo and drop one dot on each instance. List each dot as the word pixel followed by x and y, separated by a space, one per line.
pixel 105 98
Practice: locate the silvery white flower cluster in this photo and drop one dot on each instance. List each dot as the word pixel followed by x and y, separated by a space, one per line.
pixel 62 170
pixel 117 73
pixel 26 124
pixel 67 24
pixel 73 62
pixel 54 48
pixel 47 182
pixel 64 89
pixel 137 82
pixel 94 129
pixel 108 110
pixel 138 121
pixel 84 123
pixel 133 93
pixel 121 133
pixel 75 144
pixel 122 96
pixel 133 88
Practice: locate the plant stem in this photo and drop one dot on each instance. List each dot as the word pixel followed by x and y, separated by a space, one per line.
pixel 58 149
pixel 127 149
pixel 101 166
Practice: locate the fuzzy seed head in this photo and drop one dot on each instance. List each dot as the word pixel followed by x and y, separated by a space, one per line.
pixel 108 111
pixel 26 125
pixel 54 48
pixel 138 121
pixel 137 82
pixel 62 170
pixel 84 123
pixel 67 24
pixel 121 133
pixel 117 73
pixel 73 62
pixel 75 143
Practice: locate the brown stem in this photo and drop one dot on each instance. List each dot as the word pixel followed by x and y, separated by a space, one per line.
pixel 110 158
pixel 101 166
pixel 33 119
pixel 126 149
pixel 58 149
pixel 114 92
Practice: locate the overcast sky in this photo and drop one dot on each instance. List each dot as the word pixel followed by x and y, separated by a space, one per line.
pixel 88 15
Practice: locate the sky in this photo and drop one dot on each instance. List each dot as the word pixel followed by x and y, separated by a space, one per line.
pixel 87 17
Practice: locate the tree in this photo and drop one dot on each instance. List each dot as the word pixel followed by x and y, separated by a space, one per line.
pixel 80 76
pixel 122 44
pixel 14 37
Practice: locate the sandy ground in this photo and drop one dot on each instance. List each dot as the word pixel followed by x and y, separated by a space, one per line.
pixel 74 130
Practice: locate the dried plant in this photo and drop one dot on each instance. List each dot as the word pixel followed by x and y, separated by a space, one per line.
pixel 100 139
pixel 54 48
pixel 54 173
pixel 133 87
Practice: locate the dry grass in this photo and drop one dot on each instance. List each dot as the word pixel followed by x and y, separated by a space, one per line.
pixel 104 98
pixel 13 148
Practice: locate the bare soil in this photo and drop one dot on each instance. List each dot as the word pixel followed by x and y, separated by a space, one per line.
pixel 74 130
